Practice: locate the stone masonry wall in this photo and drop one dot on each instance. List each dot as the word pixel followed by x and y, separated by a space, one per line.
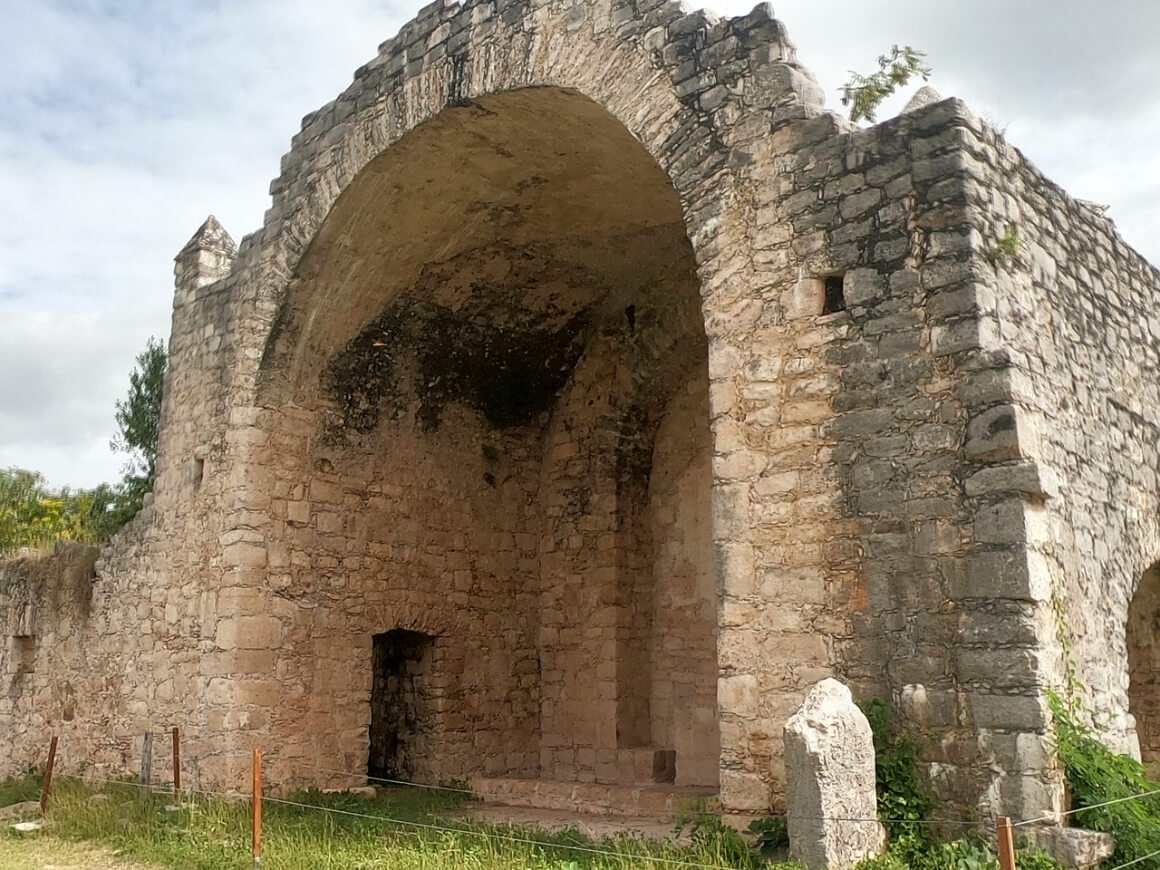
pixel 1143 649
pixel 404 531
pixel 684 86
pixel 127 655
pixel 906 491
pixel 1071 312
pixel 845 437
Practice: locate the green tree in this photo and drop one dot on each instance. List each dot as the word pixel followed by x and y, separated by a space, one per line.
pixel 33 515
pixel 139 415
pixel 138 427
pixel 864 94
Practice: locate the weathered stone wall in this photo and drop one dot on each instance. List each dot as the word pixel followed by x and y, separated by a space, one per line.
pixel 532 356
pixel 43 599
pixel 846 440
pixel 401 531
pixel 1070 314
pixel 127 656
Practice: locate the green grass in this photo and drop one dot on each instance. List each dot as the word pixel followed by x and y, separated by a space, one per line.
pixel 214 834
pixel 25 788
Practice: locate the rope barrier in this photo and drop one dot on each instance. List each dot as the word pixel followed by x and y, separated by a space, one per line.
pixel 1137 860
pixel 387 781
pixel 470 791
pixel 236 796
pixel 508 838
pixel 1052 816
pixel 85 779
pixel 1134 797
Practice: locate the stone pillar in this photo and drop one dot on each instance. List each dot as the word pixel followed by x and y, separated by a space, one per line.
pixel 829 764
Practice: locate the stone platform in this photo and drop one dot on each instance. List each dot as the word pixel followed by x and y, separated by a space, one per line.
pixel 638 801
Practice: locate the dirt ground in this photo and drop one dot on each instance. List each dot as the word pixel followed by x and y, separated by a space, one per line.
pixel 44 853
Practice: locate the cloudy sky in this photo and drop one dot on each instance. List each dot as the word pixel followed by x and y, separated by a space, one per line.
pixel 123 123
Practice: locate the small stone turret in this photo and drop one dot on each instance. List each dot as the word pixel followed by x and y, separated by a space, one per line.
pixel 923 97
pixel 207 257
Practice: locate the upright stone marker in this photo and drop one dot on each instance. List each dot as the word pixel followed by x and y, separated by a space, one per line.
pixel 829 765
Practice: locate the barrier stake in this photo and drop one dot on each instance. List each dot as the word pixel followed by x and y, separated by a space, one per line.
pixel 257 802
pixel 176 766
pixel 1005 837
pixel 146 778
pixel 47 786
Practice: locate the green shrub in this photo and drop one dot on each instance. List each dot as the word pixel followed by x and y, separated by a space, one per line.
pixel 903 802
pixel 770 836
pixel 904 806
pixel 1097 775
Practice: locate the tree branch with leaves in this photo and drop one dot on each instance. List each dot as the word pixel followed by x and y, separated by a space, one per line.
pixel 864 94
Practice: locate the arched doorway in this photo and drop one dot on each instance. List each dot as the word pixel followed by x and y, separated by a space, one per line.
pixel 1143 639
pixel 495 366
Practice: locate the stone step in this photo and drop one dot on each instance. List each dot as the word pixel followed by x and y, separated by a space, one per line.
pixel 644 801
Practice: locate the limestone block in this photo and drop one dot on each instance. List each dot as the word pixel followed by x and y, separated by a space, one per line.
pixel 829 761
pixel 1074 847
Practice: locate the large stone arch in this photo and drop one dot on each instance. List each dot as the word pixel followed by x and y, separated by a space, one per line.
pixel 699 97
pixel 694 90
pixel 482 346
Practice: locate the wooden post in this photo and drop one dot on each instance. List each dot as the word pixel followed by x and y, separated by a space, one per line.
pixel 257 802
pixel 47 786
pixel 146 777
pixel 176 765
pixel 1005 836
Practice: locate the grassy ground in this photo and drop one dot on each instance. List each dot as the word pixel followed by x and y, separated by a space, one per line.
pixel 429 832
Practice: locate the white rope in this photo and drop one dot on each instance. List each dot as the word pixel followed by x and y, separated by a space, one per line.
pixel 1133 797
pixel 405 823
pixel 1050 817
pixel 676 862
pixel 387 781
pixel 1137 860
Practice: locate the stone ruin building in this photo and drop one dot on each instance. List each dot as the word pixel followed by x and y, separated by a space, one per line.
pixel 589 393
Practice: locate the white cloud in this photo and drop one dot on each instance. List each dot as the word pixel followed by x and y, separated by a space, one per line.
pixel 122 125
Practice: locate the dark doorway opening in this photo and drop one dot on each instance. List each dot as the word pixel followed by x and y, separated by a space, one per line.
pixel 401 708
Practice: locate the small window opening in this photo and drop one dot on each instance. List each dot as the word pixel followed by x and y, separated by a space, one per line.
pixel 835 298
pixel 198 471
